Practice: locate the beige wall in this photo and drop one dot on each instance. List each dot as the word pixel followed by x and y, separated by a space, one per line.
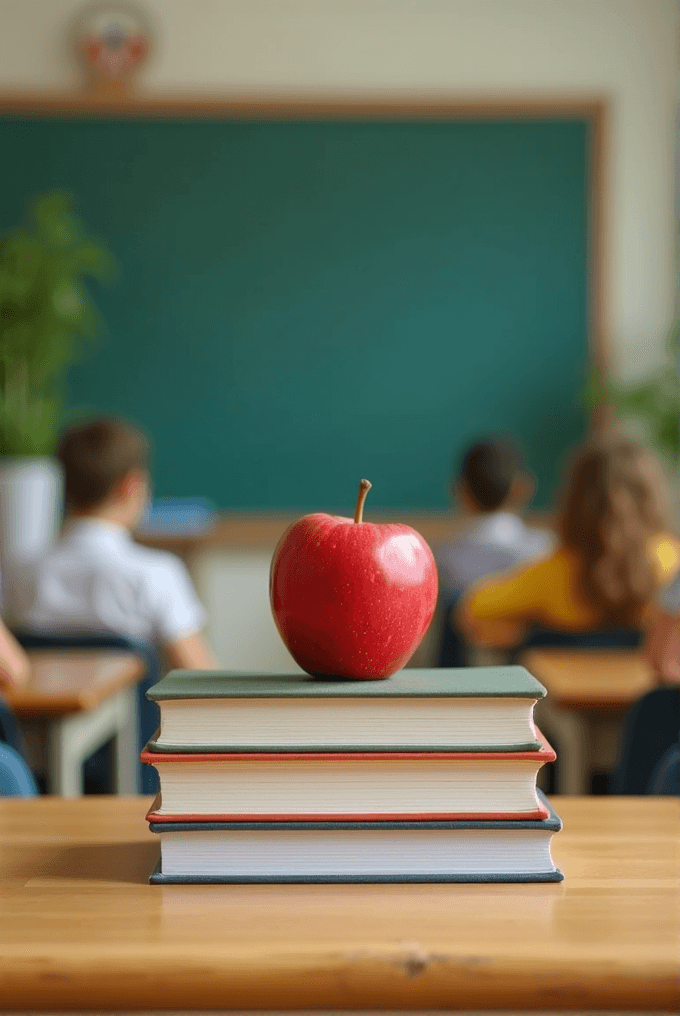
pixel 623 49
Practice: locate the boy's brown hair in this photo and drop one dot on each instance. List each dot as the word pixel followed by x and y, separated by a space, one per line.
pixel 615 501
pixel 489 470
pixel 96 456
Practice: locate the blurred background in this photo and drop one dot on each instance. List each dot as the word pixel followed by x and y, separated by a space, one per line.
pixel 288 302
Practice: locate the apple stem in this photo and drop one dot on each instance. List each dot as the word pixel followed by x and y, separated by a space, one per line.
pixel 364 488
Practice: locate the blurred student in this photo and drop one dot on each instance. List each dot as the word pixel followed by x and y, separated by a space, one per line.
pixel 97 580
pixel 615 553
pixel 493 486
pixel 14 667
pixel 649 760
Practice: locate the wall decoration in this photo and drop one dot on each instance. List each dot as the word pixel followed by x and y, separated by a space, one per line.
pixel 113 40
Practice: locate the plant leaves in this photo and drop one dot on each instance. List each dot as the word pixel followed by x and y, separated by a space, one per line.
pixel 655 401
pixel 47 318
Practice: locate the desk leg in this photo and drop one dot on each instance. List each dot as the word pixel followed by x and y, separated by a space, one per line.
pixel 568 732
pixel 73 738
pixel 127 767
pixel 64 759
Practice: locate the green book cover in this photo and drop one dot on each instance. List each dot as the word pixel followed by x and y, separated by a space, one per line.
pixel 461 682
pixel 208 711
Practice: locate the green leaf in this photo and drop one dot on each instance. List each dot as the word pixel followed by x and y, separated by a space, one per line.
pixel 67 302
pixel 92 259
pixel 54 218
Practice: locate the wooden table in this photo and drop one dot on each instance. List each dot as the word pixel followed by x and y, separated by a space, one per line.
pixel 588 694
pixel 75 701
pixel 82 929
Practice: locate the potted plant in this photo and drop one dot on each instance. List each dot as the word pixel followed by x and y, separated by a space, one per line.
pixel 652 403
pixel 47 317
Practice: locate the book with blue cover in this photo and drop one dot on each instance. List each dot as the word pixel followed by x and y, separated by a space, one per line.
pixel 357 852
pixel 176 516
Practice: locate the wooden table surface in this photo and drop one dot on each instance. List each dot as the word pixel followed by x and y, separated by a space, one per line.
pixel 69 681
pixel 81 928
pixel 591 679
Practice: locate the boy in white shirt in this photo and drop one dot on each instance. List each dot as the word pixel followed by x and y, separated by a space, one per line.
pixel 97 580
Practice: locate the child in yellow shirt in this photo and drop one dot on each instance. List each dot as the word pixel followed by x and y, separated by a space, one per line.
pixel 615 553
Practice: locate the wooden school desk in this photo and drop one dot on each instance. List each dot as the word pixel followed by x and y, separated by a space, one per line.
pixel 82 929
pixel 73 702
pixel 589 692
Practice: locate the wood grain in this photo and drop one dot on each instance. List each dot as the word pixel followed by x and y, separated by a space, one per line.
pixel 69 681
pixel 82 929
pixel 591 679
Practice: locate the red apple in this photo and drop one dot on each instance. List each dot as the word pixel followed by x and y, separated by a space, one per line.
pixel 350 598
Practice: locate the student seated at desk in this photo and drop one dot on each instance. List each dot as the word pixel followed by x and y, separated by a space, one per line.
pixel 492 487
pixel 615 553
pixel 97 580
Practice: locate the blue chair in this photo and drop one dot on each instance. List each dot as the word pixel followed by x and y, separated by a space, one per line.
pixel 650 754
pixel 16 779
pixel 666 777
pixel 10 732
pixel 545 638
pixel 453 649
pixel 98 766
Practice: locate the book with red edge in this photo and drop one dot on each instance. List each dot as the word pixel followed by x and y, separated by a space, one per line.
pixel 357 852
pixel 329 786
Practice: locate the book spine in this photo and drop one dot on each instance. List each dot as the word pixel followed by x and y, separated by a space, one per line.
pixel 535 815
pixel 545 754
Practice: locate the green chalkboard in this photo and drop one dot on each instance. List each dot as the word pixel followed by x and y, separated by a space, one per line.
pixel 302 303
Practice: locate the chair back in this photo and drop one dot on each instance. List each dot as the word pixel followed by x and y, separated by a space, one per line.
pixel 666 777
pixel 454 652
pixel 10 732
pixel 16 779
pixel 545 638
pixel 650 731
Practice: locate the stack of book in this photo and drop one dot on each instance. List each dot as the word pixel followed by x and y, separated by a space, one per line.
pixel 427 776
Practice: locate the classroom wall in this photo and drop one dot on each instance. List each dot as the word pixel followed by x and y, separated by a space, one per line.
pixel 624 49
